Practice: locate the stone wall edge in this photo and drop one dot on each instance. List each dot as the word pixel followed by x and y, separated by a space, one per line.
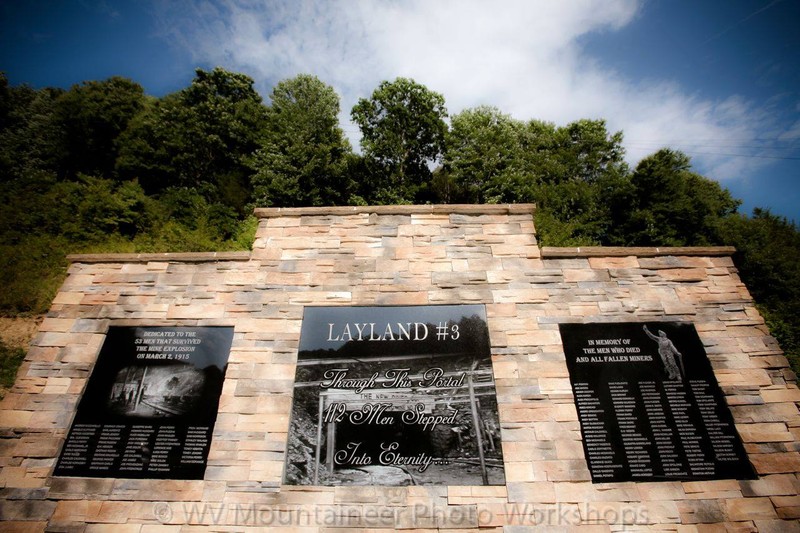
pixel 554 252
pixel 185 257
pixel 466 209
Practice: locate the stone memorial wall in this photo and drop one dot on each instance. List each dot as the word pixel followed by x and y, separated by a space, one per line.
pixel 382 428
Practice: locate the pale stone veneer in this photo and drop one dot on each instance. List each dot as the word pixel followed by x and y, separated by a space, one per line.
pixel 402 255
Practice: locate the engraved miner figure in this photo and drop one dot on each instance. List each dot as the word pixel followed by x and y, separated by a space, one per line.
pixel 668 354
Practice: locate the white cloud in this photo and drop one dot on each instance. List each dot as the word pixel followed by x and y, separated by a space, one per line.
pixel 524 57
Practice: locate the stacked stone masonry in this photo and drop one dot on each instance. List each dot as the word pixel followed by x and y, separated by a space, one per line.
pixel 401 256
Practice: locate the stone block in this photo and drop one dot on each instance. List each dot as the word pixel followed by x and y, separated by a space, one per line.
pixel 765 432
pixel 530 451
pixel 425 267
pixel 771 485
pixel 534 492
pixel 536 337
pixel 777 526
pixel 776 463
pixel 741 509
pixel 599 263
pixel 737 377
pixel 24 526
pixel 577 275
pixel 787 507
pixel 68 298
pixel 227 473
pixel 10 418
pixel 679 308
pixel 668 490
pixel 26 510
pixel 195 311
pixel 60 325
pixel 562 470
pixel 789 394
pixel 584 310
pixel 518 471
pixel 530 251
pixel 403 298
pixel 672 262
pixel 307 496
pixel 700 511
pixel 118 528
pixel 589 492
pixel 75 510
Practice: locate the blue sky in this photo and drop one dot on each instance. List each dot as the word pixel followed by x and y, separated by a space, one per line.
pixel 719 80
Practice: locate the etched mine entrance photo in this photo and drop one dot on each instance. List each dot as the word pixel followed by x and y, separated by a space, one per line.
pixel 400 396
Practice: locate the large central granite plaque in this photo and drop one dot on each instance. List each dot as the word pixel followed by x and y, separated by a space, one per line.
pixel 649 405
pixel 150 404
pixel 394 396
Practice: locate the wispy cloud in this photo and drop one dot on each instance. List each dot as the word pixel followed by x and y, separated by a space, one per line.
pixel 524 57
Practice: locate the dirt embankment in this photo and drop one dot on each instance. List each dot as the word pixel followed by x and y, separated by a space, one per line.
pixel 18 332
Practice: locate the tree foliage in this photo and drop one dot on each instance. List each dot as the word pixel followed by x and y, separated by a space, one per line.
pixel 673 206
pixel 103 167
pixel 568 172
pixel 768 259
pixel 302 158
pixel 403 133
pixel 199 137
pixel 31 139
pixel 91 117
pixel 485 152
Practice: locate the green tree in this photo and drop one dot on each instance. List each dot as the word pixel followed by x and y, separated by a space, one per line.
pixel 484 154
pixel 31 139
pixel 200 137
pixel 302 158
pixel 44 217
pixel 584 181
pixel 151 143
pixel 673 206
pixel 768 259
pixel 403 133
pixel 92 116
pixel 588 152
pixel 574 173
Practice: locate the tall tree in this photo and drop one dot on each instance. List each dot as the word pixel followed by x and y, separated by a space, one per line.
pixel 484 153
pixel 587 151
pixel 673 206
pixel 31 139
pixel 301 161
pixel 583 178
pixel 569 172
pixel 403 133
pixel 199 137
pixel 92 116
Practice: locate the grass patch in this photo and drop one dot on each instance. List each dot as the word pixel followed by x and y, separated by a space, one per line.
pixel 10 359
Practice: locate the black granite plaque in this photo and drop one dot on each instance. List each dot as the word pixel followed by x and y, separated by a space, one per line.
pixel 150 404
pixel 649 405
pixel 394 396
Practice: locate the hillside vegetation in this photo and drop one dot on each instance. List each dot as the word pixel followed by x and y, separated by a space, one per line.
pixel 102 167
